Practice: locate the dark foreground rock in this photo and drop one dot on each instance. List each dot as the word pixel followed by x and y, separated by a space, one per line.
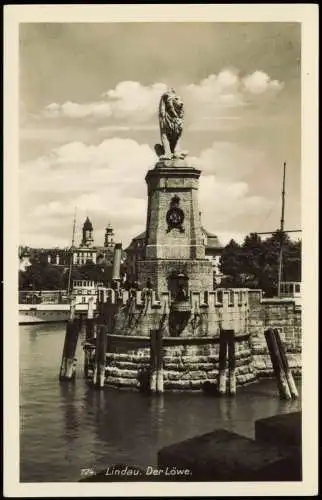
pixel 226 456
pixel 285 429
pixel 222 455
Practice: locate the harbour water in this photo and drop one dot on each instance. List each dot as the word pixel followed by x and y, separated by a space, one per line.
pixel 66 428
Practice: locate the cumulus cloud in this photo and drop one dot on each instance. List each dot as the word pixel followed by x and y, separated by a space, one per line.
pixel 226 236
pixel 131 99
pixel 106 182
pixel 225 194
pixel 128 101
pixel 90 177
pixel 75 110
pixel 221 89
pixel 133 104
pixel 223 201
pixel 78 167
pixel 259 82
pixel 229 160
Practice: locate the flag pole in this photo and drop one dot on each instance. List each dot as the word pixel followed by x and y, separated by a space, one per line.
pixel 71 255
pixel 280 260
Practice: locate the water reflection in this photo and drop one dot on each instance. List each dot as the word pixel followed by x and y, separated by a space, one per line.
pixel 227 408
pixel 33 335
pixel 156 408
pixel 69 426
pixel 70 410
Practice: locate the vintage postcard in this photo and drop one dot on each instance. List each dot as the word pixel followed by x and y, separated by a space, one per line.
pixel 160 260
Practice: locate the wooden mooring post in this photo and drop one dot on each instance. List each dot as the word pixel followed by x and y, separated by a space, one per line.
pixel 100 356
pixel 227 347
pixel 222 375
pixel 277 364
pixel 90 320
pixel 230 336
pixel 156 361
pixel 287 370
pixel 68 363
pixel 89 336
pixel 87 359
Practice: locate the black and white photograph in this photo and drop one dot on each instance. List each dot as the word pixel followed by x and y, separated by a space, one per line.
pixel 161 261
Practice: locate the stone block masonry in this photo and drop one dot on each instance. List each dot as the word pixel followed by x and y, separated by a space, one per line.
pixel 137 313
pixel 199 271
pixel 168 246
pixel 172 326
pixel 282 314
pixel 185 367
pixel 191 359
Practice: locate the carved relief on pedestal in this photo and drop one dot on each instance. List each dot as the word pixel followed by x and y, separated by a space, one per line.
pixel 175 215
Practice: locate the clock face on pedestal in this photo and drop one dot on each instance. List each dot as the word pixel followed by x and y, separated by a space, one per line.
pixel 175 215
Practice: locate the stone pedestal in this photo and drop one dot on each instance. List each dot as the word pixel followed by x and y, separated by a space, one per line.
pixel 173 233
pixel 198 271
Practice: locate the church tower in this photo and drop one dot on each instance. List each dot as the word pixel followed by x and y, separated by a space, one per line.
pixel 87 240
pixel 109 237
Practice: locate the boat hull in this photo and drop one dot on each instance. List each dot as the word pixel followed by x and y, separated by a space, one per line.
pixel 48 313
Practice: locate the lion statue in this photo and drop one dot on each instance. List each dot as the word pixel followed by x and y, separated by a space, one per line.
pixel 171 113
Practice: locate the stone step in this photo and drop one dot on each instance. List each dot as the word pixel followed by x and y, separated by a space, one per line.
pixel 121 382
pixel 128 365
pixel 188 366
pixel 285 429
pixel 177 384
pixel 128 357
pixel 245 379
pixel 226 456
pixel 116 372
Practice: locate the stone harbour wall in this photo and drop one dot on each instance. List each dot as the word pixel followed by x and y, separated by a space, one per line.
pixel 185 367
pixel 263 364
pixel 190 358
pixel 282 314
pixel 137 314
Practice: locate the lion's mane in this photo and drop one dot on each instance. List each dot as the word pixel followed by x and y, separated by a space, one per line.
pixel 171 118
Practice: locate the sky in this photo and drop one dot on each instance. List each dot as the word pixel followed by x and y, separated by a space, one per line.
pixel 89 97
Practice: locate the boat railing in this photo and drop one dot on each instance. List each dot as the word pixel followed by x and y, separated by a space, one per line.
pixel 43 297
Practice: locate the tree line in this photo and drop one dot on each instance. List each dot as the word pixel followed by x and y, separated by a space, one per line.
pixel 41 275
pixel 255 263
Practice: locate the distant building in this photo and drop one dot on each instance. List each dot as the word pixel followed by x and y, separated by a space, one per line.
pixel 24 258
pixel 80 255
pixel 86 252
pixel 135 252
pixel 291 289
pixel 54 256
pixel 213 253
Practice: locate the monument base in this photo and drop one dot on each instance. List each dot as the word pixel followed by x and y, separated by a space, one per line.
pixel 157 272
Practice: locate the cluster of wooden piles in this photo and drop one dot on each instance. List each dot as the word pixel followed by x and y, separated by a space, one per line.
pixel 97 352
